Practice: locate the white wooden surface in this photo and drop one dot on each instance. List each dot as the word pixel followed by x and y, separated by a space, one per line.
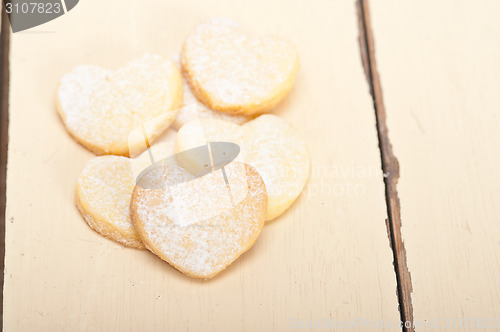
pixel 440 74
pixel 328 257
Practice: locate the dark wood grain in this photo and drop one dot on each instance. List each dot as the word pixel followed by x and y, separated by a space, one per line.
pixel 4 121
pixel 390 166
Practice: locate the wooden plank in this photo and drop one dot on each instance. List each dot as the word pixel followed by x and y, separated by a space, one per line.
pixel 440 77
pixel 326 260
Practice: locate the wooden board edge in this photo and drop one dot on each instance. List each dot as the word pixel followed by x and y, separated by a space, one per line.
pixel 390 166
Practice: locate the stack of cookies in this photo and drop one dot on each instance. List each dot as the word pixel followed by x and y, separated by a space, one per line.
pixel 155 109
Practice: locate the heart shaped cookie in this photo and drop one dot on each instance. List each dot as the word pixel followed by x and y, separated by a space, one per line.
pixel 104 189
pixel 269 144
pixel 201 225
pixel 232 72
pixel 193 109
pixel 100 107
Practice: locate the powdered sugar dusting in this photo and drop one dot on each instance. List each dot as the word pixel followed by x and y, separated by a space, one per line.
pixel 104 191
pixel 232 68
pixel 175 227
pixel 269 144
pixel 105 186
pixel 193 108
pixel 101 107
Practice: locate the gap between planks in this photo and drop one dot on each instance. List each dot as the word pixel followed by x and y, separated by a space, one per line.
pixel 4 121
pixel 390 166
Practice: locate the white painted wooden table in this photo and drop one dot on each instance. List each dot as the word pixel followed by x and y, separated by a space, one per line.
pixel 328 262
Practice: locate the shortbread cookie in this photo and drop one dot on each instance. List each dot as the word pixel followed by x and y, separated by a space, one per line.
pixel 267 143
pixel 232 72
pixel 104 189
pixel 202 225
pixel 194 109
pixel 100 107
